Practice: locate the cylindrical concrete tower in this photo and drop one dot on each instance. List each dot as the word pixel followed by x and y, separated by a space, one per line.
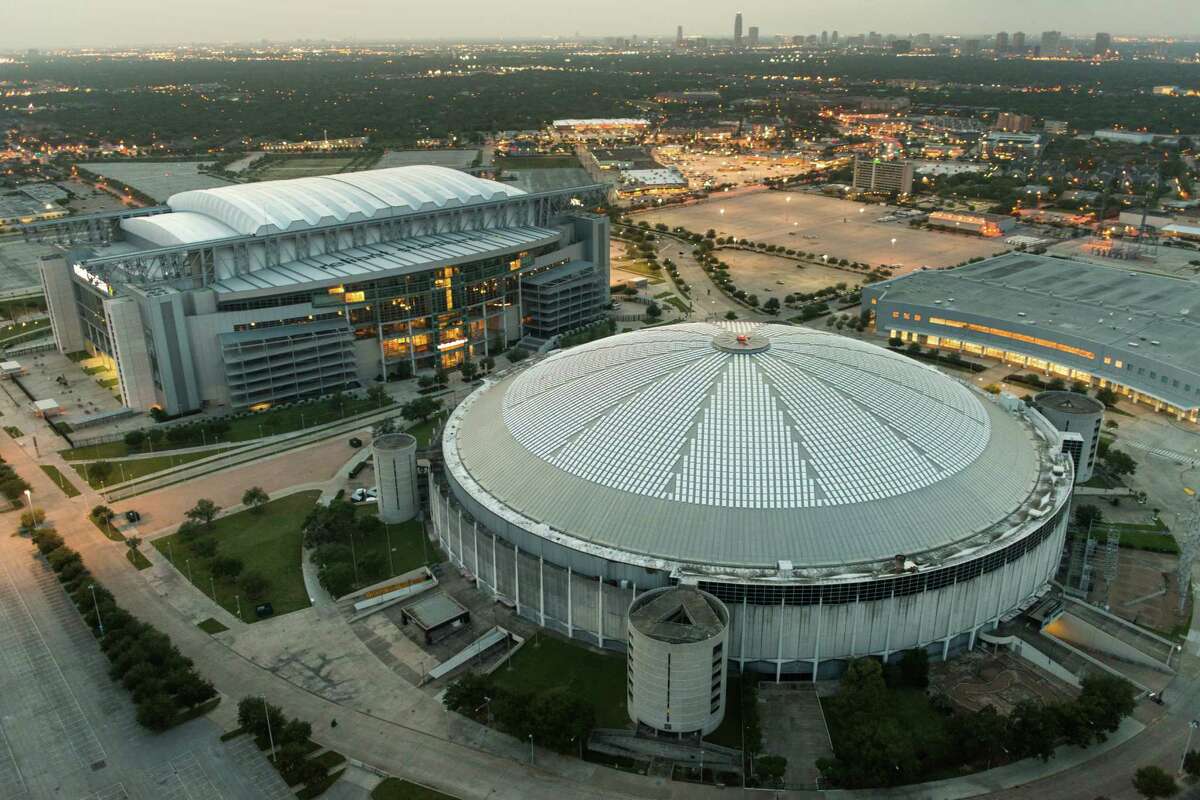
pixel 1071 412
pixel 396 472
pixel 676 660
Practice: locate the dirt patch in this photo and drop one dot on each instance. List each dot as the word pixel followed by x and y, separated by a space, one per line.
pixel 760 273
pixel 978 678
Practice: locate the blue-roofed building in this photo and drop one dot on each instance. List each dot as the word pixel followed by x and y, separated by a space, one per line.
pixel 259 293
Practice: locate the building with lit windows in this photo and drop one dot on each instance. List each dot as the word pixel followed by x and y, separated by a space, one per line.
pixel 876 176
pixel 1108 327
pixel 839 499
pixel 266 292
pixel 977 223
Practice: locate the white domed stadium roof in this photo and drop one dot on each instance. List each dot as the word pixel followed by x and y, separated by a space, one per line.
pixel 742 445
pixel 299 203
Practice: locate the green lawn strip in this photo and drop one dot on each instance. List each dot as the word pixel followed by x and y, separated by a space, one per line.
pixel 319 787
pixel 267 542
pixel 1139 539
pixel 679 304
pixel 136 558
pixel 13 431
pixel 60 480
pixel 107 528
pixel 397 789
pixel 241 429
pixel 212 626
pixel 128 469
pixel 329 759
pixel 16 330
pixel 546 662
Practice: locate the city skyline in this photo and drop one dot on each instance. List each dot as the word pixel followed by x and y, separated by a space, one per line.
pixel 223 21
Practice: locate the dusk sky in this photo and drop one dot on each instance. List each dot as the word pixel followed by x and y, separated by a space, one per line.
pixel 75 23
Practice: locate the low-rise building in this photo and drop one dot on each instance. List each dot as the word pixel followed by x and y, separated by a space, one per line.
pixel 974 222
pixel 1108 327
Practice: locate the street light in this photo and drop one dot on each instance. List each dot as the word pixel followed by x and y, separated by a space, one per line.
pixel 270 735
pixel 96 605
pixel 29 498
pixel 531 748
pixel 1188 747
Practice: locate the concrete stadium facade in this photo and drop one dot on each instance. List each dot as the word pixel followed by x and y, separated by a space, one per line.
pixel 819 558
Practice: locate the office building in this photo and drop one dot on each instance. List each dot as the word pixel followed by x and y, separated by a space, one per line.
pixel 1134 332
pixel 875 176
pixel 949 509
pixel 1051 43
pixel 971 48
pixel 261 293
pixel 1009 122
pixel 737 29
pixel 754 36
pixel 1102 47
pixel 679 36
pixel 1018 42
pixel 1002 42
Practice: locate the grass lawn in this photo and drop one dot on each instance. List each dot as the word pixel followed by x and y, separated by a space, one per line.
pixel 679 304
pixel 108 530
pixel 136 558
pixel 376 561
pixel 396 789
pixel 1135 539
pixel 547 662
pixel 13 431
pixel 130 468
pixel 268 542
pixel 211 626
pixel 60 480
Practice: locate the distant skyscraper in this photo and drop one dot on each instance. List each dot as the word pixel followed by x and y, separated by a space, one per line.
pixel 970 48
pixel 834 39
pixel 1018 42
pixel 923 40
pixel 754 36
pixel 737 30
pixel 1002 42
pixel 1051 43
pixel 679 36
pixel 824 38
pixel 1103 45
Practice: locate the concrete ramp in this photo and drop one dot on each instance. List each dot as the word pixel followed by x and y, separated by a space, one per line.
pixel 1082 633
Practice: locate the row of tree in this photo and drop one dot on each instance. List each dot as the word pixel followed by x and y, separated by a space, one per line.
pixel 556 718
pixel 290 737
pixel 874 746
pixel 12 485
pixel 163 682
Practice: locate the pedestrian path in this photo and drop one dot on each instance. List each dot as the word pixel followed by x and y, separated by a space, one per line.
pixel 1162 452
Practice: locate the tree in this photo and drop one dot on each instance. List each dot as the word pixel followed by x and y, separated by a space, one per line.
pixel 731 315
pixel 189 530
pixel 1079 387
pixel 1153 782
pixel 337 577
pixel 1087 515
pixel 32 519
pixel 771 767
pixel 1107 396
pixel 1032 730
pixel 467 693
pixel 1105 700
pixel 420 409
pixel 133 542
pixel 470 370
pixel 255 498
pixel 771 306
pixel 156 712
pixel 226 567
pixel 203 512
pixel 102 514
pixel 254 584
pixel 653 311
pixel 1191 763
pixel 378 396
pixel 135 439
pixel 1119 462
pixel 100 471
pixel 914 668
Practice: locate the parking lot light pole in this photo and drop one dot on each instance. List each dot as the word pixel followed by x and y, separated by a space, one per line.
pixel 270 735
pixel 96 605
pixel 531 748
pixel 1188 747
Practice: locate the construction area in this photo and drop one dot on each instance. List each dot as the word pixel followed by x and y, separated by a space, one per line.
pixel 991 676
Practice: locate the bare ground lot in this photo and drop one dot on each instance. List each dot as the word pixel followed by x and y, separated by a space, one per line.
pixel 825 225
pixel 302 168
pixel 1145 592
pixel 760 273
pixel 978 678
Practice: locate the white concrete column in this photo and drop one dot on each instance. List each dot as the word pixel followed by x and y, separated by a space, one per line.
pixel 495 571
pixel 817 644
pixel 975 615
pixel 600 609
pixel 542 590
pixel 475 545
pixel 517 577
pixel 862 609
pixel 887 639
pixel 779 644
pixel 742 633
pixel 950 621
pixel 570 614
pixel 462 555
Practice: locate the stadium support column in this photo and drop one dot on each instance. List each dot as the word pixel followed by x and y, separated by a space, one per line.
pixel 517 577
pixel 887 640
pixel 475 545
pixel 742 636
pixel 542 591
pixel 974 621
pixel 495 571
pixel 779 644
pixel 817 640
pixel 570 610
pixel 600 609
pixel 462 559
pixel 950 620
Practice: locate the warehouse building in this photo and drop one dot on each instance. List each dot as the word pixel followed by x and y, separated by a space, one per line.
pixel 253 294
pixel 1131 331
pixel 839 499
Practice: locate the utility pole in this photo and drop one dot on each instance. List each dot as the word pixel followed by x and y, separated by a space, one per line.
pixel 96 605
pixel 1188 747
pixel 270 735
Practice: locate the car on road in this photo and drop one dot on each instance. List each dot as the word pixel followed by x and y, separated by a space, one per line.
pixel 132 516
pixel 356 442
